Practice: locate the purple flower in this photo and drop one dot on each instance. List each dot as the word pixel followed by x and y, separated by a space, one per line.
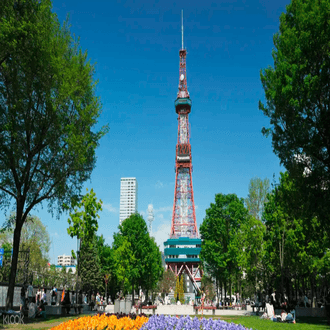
pixel 161 322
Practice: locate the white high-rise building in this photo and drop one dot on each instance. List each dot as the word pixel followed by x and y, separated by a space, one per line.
pixel 128 198
pixel 65 260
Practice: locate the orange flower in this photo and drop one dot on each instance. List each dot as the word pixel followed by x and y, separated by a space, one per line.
pixel 100 322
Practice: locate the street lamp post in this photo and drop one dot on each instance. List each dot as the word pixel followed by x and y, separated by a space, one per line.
pixel 106 279
pixel 77 275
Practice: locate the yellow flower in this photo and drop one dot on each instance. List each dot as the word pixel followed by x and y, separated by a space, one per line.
pixel 100 322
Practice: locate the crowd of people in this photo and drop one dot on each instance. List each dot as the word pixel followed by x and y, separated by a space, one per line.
pixel 34 304
pixel 281 301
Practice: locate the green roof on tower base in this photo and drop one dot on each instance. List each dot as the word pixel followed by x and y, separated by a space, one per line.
pixel 183 241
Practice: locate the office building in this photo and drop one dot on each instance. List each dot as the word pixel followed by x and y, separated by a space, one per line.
pixel 128 198
pixel 65 260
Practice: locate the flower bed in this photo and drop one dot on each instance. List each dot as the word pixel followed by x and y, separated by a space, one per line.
pixel 102 322
pixel 98 322
pixel 186 323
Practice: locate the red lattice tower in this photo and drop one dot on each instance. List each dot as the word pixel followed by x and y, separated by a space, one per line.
pixel 184 217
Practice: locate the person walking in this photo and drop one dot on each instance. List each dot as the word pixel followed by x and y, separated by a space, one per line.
pixel 38 296
pixel 273 299
pixel 44 297
pixel 63 295
pixel 92 303
pixel 54 295
pixel 66 301
pixel 30 292
pixel 98 301
pixel 306 300
pixel 22 306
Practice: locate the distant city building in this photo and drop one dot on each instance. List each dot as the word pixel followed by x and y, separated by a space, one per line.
pixel 65 260
pixel 67 268
pixel 128 198
pixel 151 217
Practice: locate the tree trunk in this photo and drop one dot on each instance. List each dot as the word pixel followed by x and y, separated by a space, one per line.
pixel 133 301
pixel 77 270
pixel 13 269
pixel 312 291
pixel 217 288
pixel 295 284
pixel 230 290
pixel 221 287
pixel 225 291
pixel 147 296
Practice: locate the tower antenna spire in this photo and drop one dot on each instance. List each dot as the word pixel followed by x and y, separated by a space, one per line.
pixel 182 26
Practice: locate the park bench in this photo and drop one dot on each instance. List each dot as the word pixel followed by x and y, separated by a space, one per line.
pixel 100 308
pixel 197 308
pixel 258 308
pixel 146 308
pixel 62 309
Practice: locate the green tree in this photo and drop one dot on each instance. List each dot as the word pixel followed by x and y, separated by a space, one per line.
pixel 104 252
pixel 177 288
pixel 83 220
pixel 48 111
pixel 145 270
pixel 108 267
pixel 34 238
pixel 294 244
pixel 167 282
pixel 89 267
pixel 258 190
pixel 252 261
pixel 297 101
pixel 125 264
pixel 153 269
pixel 208 287
pixel 83 225
pixel 181 290
pixel 221 241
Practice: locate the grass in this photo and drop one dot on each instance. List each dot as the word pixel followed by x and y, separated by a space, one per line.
pixel 254 322
pixel 303 323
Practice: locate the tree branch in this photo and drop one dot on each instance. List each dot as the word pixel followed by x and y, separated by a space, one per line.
pixel 8 192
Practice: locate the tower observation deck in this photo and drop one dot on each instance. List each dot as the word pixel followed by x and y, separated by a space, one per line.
pixel 184 245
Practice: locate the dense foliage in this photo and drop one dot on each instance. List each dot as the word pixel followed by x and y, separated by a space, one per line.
pixel 221 233
pixel 296 256
pixel 258 190
pixel 48 113
pixel 297 101
pixel 166 283
pixel 286 250
pixel 137 257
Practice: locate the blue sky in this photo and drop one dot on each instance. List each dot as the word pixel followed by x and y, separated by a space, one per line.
pixel 135 45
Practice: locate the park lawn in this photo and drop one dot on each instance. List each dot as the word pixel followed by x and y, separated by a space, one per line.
pixel 254 322
pixel 40 324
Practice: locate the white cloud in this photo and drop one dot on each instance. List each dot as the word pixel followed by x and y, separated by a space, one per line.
pixel 110 208
pixel 163 209
pixel 162 234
